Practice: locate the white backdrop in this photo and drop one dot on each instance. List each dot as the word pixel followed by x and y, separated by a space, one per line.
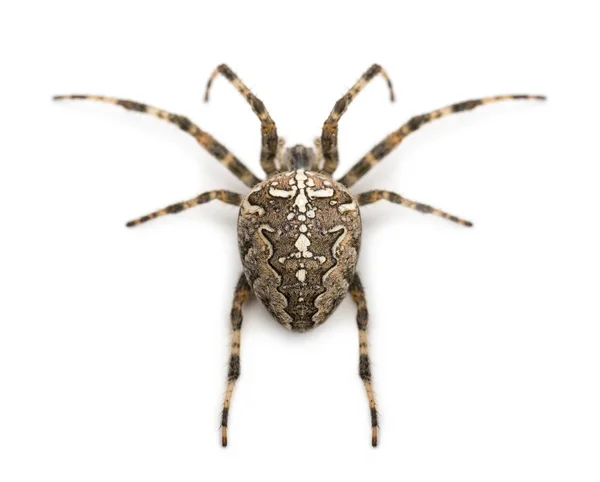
pixel 484 341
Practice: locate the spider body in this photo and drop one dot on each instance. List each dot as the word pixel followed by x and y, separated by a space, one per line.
pixel 299 231
pixel 299 236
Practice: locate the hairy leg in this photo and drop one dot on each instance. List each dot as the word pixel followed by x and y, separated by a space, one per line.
pixel 364 368
pixel 280 150
pixel 242 293
pixel 377 195
pixel 318 152
pixel 268 128
pixel 224 196
pixel 388 144
pixel 330 127
pixel 217 149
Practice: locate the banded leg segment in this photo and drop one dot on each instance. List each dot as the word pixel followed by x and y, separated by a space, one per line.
pixel 377 195
pixel 225 196
pixel 330 127
pixel 364 367
pixel 242 293
pixel 280 151
pixel 207 141
pixel 388 144
pixel 318 152
pixel 268 129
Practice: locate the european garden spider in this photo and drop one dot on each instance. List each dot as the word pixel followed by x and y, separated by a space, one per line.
pixel 299 231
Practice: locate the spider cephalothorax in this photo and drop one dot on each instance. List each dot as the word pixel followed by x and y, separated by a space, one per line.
pixel 299 231
pixel 299 157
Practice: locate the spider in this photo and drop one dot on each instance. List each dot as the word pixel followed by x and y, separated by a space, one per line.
pixel 299 230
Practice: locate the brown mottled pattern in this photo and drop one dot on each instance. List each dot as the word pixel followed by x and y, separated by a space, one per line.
pixel 268 129
pixel 217 149
pixel 329 145
pixel 392 141
pixel 364 366
pixel 242 293
pixel 377 195
pixel 300 292
pixel 225 196
pixel 299 232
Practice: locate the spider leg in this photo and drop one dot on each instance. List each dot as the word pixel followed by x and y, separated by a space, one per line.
pixel 330 127
pixel 280 149
pixel 388 144
pixel 268 129
pixel 377 195
pixel 362 318
pixel 318 152
pixel 217 149
pixel 225 196
pixel 242 293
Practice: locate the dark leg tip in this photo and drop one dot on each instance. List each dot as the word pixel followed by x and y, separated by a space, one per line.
pixel 374 437
pixel 392 94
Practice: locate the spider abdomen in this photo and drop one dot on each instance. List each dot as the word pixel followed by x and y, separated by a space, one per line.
pixel 299 236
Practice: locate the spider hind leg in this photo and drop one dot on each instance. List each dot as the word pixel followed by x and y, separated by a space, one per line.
pixel 242 293
pixel 364 367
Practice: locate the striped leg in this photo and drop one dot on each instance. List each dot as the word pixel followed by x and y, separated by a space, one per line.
pixel 377 195
pixel 204 139
pixel 330 127
pixel 386 146
pixel 242 292
pixel 280 150
pixel 364 368
pixel 225 196
pixel 268 129
pixel 318 152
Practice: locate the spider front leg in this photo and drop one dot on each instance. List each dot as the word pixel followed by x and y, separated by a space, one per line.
pixel 377 195
pixel 280 150
pixel 364 367
pixel 207 141
pixel 268 152
pixel 387 145
pixel 224 196
pixel 242 293
pixel 329 143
